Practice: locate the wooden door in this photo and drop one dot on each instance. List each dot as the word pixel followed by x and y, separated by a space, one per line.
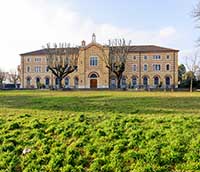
pixel 93 83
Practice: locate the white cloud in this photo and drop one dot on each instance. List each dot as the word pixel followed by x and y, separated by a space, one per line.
pixel 27 25
pixel 167 32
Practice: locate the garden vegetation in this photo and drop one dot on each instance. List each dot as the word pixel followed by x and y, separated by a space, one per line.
pixel 99 131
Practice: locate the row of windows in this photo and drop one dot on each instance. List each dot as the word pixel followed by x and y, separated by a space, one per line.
pixel 145 81
pixel 47 81
pixel 156 67
pixel 36 59
pixel 94 60
pixel 155 57
pixel 37 69
pixel 156 81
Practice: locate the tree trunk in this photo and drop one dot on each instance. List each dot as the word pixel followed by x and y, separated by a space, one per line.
pixel 59 83
pixel 118 83
pixel 191 84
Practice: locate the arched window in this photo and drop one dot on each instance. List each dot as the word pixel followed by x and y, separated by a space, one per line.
pixel 145 81
pixel 76 82
pixel 47 82
pixel 134 81
pixel 56 81
pixel 28 69
pixel 123 82
pixel 37 81
pixel 112 82
pixel 167 81
pixel 156 81
pixel 167 67
pixel 93 75
pixel 67 82
pixel 28 81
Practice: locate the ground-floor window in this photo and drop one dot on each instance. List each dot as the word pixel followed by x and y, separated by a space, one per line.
pixel 47 81
pixel 28 81
pixel 145 81
pixel 123 82
pixel 134 81
pixel 37 80
pixel 156 81
pixel 76 82
pixel 167 81
pixel 67 82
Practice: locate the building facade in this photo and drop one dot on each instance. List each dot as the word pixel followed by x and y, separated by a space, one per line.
pixel 147 66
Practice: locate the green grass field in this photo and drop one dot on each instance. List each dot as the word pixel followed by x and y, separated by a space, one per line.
pixel 99 131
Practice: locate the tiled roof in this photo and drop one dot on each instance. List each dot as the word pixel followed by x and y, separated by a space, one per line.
pixel 37 52
pixel 137 48
pixel 150 48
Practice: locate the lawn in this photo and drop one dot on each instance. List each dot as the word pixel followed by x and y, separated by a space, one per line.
pixel 98 131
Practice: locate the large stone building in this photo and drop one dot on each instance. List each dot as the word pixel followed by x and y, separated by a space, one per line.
pixel 147 66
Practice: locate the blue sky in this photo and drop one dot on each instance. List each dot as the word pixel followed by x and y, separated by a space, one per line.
pixel 27 25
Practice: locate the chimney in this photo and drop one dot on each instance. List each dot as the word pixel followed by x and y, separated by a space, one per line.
pixel 83 43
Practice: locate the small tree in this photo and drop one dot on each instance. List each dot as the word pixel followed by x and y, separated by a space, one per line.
pixel 13 77
pixel 181 72
pixel 193 66
pixel 2 77
pixel 62 60
pixel 117 57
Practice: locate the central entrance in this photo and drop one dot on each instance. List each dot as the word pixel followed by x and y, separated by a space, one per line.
pixel 93 80
pixel 93 83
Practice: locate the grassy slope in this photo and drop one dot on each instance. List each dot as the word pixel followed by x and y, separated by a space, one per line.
pixel 99 131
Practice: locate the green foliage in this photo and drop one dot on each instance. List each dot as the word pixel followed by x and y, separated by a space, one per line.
pixel 99 131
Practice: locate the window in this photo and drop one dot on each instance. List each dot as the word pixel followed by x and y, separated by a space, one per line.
pixel 168 57
pixel 93 61
pixel 145 67
pixel 76 82
pixel 28 69
pixel 167 81
pixel 145 57
pixel 123 82
pixel 37 81
pixel 167 67
pixel 47 81
pixel 156 81
pixel 113 83
pixel 156 67
pixel 156 57
pixel 37 69
pixel 134 81
pixel 28 81
pixel 46 69
pixel 37 59
pixel 93 76
pixel 134 57
pixel 28 59
pixel 67 82
pixel 56 81
pixel 67 60
pixel 145 81
pixel 134 67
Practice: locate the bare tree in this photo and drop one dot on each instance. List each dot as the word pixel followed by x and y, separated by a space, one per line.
pixel 2 77
pixel 196 15
pixel 62 60
pixel 13 77
pixel 193 66
pixel 116 58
